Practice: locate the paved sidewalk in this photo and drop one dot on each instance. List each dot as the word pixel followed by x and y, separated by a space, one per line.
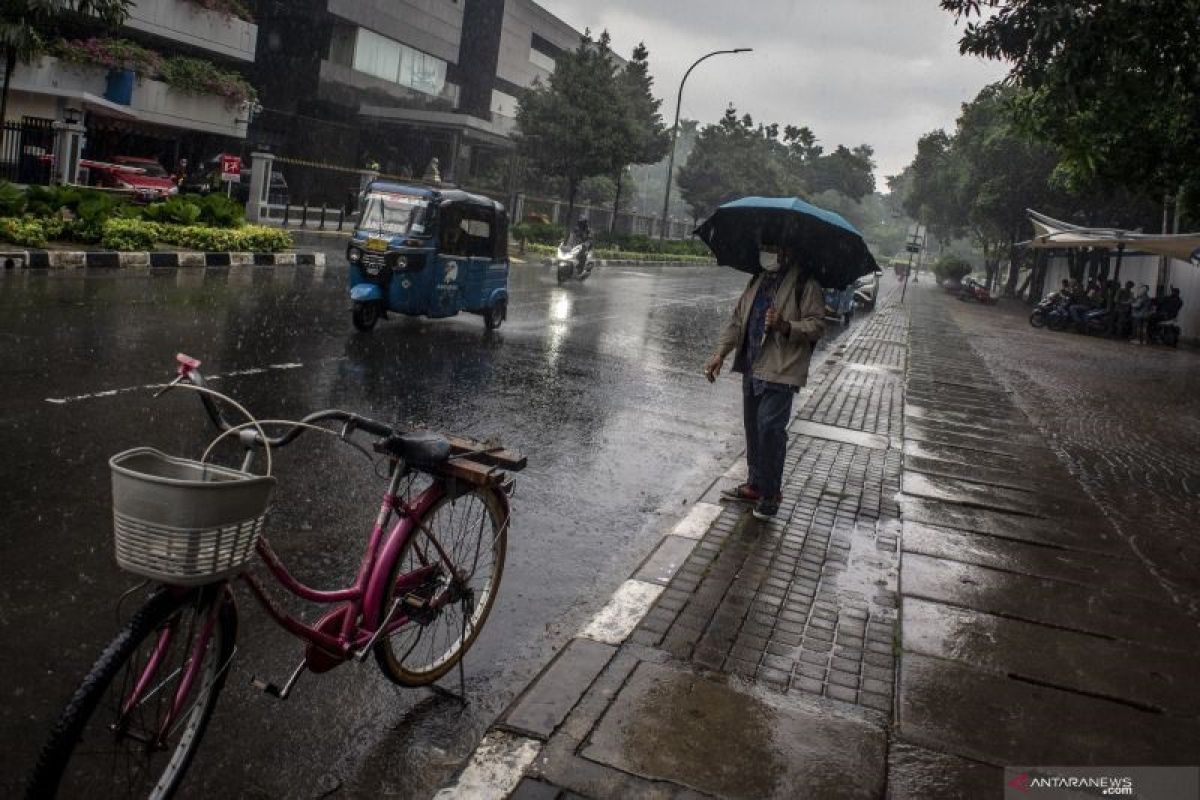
pixel 936 600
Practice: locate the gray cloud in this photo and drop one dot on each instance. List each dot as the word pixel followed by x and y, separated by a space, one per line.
pixel 876 71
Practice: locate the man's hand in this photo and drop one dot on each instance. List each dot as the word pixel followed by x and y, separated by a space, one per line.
pixel 777 323
pixel 713 367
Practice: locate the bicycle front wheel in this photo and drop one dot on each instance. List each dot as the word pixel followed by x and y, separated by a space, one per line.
pixel 113 740
pixel 472 530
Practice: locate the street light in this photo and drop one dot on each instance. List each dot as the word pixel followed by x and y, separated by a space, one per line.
pixel 675 132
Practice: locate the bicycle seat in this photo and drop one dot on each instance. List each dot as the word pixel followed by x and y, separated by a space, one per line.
pixel 418 447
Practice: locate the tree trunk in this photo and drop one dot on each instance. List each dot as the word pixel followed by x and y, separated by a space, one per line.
pixel 10 64
pixel 612 223
pixel 572 186
pixel 1014 268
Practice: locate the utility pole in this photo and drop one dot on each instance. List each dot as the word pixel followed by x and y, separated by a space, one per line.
pixel 662 233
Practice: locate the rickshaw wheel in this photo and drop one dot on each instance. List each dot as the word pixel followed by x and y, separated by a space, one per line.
pixel 365 316
pixel 493 317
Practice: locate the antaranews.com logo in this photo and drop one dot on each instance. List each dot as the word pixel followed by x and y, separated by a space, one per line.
pixel 1149 783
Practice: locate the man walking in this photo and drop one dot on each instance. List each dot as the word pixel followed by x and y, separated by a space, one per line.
pixel 773 329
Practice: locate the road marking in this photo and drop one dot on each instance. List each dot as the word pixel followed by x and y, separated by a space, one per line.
pixel 494 770
pixel 624 611
pixel 62 401
pixel 698 520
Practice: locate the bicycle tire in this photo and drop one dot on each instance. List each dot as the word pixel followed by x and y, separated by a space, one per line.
pixel 61 753
pixel 398 661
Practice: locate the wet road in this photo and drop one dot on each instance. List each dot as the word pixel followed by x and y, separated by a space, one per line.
pixel 599 384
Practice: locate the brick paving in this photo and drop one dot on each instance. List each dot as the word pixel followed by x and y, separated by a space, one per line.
pixel 1021 608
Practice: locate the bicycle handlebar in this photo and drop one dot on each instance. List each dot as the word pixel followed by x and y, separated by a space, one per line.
pixel 188 369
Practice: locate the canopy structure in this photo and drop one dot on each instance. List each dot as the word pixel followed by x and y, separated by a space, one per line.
pixel 1052 233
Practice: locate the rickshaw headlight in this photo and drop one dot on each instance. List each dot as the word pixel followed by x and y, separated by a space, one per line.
pixel 354 255
pixel 397 261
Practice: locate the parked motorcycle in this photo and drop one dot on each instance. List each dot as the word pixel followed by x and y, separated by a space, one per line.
pixel 971 289
pixel 573 260
pixel 1051 311
pixel 1164 332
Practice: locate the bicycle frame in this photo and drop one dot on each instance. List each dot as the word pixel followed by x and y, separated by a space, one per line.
pixel 345 632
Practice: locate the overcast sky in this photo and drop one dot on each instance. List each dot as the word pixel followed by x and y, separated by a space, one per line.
pixel 876 71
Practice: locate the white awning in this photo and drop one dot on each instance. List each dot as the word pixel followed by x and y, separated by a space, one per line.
pixel 1052 233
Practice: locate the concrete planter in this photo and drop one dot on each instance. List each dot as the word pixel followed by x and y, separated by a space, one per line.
pixel 192 25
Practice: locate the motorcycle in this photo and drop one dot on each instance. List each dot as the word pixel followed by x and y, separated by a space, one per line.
pixel 1051 311
pixel 571 261
pixel 1164 332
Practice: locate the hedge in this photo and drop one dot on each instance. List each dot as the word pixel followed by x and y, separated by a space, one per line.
pixel 120 233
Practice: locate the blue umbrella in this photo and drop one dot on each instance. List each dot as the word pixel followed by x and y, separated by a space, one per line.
pixel 828 247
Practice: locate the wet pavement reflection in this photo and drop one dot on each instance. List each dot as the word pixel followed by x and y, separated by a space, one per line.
pixel 599 384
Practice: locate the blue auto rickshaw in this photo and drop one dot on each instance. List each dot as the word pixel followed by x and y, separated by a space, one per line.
pixel 428 252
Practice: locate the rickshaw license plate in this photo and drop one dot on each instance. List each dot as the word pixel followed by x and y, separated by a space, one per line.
pixel 375 243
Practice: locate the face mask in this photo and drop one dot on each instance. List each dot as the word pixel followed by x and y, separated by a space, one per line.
pixel 769 261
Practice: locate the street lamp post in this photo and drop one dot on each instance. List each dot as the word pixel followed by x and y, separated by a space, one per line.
pixel 662 234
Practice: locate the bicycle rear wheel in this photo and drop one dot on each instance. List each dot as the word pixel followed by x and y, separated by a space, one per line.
pixel 99 747
pixel 473 532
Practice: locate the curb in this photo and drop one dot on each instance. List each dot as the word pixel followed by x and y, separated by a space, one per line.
pixel 528 722
pixel 84 259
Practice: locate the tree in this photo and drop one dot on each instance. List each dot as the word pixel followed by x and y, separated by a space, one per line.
pixel 573 125
pixel 25 23
pixel 645 140
pixel 844 170
pixel 1114 86
pixel 731 159
pixel 934 189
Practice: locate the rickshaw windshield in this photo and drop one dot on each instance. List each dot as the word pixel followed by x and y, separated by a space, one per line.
pixel 395 214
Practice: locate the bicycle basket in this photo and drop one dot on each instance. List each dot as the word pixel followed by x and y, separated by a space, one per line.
pixel 184 522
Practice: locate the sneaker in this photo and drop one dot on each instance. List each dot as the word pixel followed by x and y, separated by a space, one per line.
pixel 745 493
pixel 766 508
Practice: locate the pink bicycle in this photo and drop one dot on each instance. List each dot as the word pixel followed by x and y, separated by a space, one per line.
pixel 423 591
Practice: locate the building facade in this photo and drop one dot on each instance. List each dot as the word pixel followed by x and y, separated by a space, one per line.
pixel 134 113
pixel 397 84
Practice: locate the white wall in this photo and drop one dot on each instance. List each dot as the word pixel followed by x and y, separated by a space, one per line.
pixel 181 21
pixel 1144 270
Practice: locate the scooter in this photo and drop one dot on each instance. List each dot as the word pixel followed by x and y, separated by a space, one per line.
pixel 1164 332
pixel 570 261
pixel 1051 309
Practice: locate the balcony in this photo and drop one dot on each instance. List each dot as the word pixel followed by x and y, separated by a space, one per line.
pixel 154 102
pixel 189 24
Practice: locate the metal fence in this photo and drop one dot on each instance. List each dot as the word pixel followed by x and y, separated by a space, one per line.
pixel 24 147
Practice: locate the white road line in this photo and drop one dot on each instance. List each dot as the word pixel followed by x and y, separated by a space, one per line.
pixel 624 611
pixel 696 523
pixel 60 401
pixel 494 770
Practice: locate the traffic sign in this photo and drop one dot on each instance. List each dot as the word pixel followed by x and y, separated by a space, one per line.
pixel 231 168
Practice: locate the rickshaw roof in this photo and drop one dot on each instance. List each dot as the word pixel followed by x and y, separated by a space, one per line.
pixel 439 196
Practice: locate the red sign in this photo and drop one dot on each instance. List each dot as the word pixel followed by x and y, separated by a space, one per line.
pixel 231 168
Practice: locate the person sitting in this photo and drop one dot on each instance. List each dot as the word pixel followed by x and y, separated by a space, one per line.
pixel 1082 302
pixel 1167 308
pixel 582 234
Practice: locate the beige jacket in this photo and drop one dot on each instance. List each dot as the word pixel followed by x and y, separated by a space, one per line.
pixel 784 359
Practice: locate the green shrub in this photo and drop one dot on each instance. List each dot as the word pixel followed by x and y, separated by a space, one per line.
pixel 951 267
pixel 177 210
pixel 130 234
pixel 12 200
pixel 249 238
pixel 220 211
pixel 539 233
pixel 25 232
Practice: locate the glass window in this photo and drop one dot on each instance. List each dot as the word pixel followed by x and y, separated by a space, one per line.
pixel 540 59
pixel 395 214
pixel 376 55
pixel 388 59
pixel 504 104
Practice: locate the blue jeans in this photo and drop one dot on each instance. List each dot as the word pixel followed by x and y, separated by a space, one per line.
pixel 766 416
